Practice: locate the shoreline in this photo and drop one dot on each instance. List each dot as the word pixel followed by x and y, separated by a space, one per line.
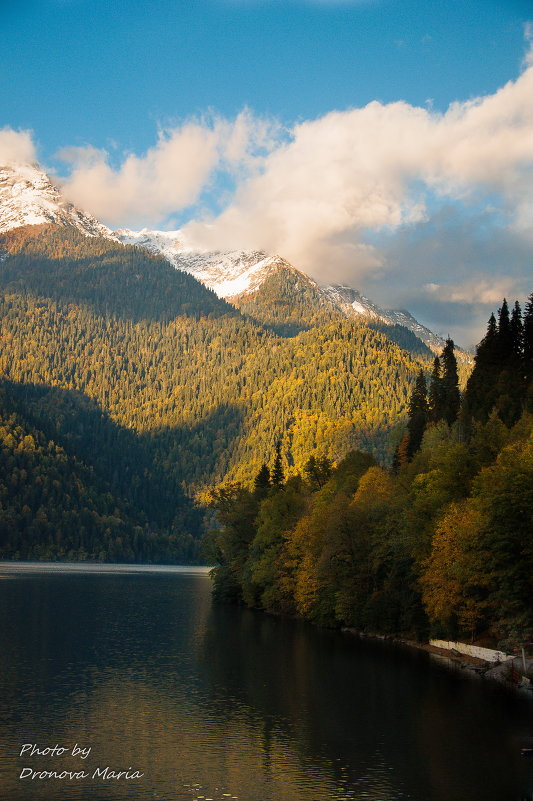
pixel 471 665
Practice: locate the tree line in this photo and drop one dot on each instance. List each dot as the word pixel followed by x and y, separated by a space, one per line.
pixel 439 544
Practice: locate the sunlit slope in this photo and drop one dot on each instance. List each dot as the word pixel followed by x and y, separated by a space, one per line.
pixel 207 391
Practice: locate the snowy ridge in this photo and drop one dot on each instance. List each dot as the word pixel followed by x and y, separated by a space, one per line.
pixel 353 304
pixel 230 274
pixel 235 274
pixel 28 197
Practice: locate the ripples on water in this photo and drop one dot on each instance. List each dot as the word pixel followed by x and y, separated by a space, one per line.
pixel 226 704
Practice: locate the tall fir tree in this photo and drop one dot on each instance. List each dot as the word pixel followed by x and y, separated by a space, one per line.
pixel 479 397
pixel 505 335
pixel 262 481
pixel 436 393
pixel 418 415
pixel 517 332
pixel 527 342
pixel 276 475
pixel 450 384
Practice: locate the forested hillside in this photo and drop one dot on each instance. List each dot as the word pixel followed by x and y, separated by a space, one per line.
pixel 54 506
pixel 287 303
pixel 440 544
pixel 144 376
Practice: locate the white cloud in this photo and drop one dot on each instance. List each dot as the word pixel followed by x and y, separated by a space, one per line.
pixel 171 175
pixel 16 147
pixel 380 167
pixel 528 36
pixel 358 195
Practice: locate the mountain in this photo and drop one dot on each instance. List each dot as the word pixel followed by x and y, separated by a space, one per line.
pixel 249 280
pixel 28 197
pixel 353 304
pixel 267 288
pixel 155 388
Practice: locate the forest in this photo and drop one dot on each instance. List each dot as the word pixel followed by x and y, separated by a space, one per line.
pixel 159 390
pixel 438 544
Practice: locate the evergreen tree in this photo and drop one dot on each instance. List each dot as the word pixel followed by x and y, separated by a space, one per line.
pixel 277 469
pixel 436 393
pixel 418 415
pixel 511 380
pixel 505 334
pixel 527 342
pixel 479 395
pixel 451 397
pixel 517 332
pixel 262 481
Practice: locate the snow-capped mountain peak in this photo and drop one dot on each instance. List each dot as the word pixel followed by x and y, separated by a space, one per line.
pixel 28 197
pixel 353 304
pixel 235 274
pixel 230 274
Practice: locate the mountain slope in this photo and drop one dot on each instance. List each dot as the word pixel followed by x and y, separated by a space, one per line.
pixel 273 291
pixel 60 262
pixel 28 197
pixel 248 279
pixel 353 304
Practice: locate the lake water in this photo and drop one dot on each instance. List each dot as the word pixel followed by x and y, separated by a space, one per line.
pixel 211 702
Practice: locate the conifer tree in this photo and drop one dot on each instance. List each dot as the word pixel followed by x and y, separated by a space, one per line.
pixel 517 332
pixel 277 476
pixel 436 393
pixel 479 393
pixel 527 342
pixel 450 384
pixel 505 336
pixel 262 481
pixel 418 415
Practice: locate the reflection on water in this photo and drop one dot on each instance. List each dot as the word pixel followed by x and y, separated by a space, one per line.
pixel 223 703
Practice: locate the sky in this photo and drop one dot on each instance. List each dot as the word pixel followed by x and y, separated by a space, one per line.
pixel 385 144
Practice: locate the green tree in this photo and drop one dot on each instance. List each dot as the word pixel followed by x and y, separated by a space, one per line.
pixel 418 414
pixel 436 393
pixel 277 468
pixel 451 397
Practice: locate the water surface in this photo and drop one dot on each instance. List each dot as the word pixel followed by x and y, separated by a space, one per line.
pixel 211 702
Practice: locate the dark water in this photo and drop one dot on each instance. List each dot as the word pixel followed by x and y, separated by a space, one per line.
pixel 223 703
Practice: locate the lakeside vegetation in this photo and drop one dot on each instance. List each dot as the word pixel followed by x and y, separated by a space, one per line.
pixel 352 483
pixel 440 545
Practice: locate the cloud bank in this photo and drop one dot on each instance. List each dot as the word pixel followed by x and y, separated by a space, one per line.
pixel 170 176
pixel 434 210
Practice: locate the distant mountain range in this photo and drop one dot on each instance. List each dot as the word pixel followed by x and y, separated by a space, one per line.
pixel 234 275
pixel 29 197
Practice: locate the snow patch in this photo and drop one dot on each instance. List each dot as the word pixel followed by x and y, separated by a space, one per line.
pixel 28 197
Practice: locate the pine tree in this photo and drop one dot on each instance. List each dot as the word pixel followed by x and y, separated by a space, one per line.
pixel 418 415
pixel 450 384
pixel 478 399
pixel 517 332
pixel 436 393
pixel 262 481
pixel 527 342
pixel 277 476
pixel 505 335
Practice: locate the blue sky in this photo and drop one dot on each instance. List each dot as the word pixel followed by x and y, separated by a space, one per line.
pixel 99 72
pixel 223 97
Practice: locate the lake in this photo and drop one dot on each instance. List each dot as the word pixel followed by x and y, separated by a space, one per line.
pixel 135 671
